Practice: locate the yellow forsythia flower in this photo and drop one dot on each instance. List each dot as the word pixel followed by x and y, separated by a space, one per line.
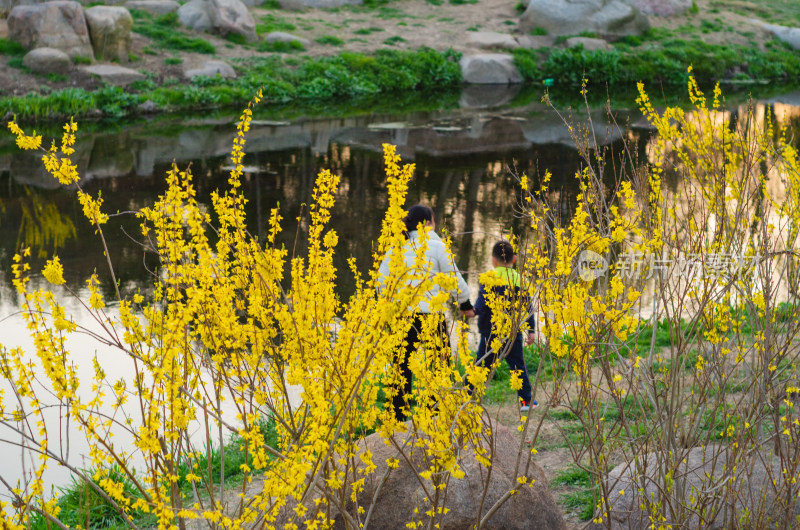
pixel 53 271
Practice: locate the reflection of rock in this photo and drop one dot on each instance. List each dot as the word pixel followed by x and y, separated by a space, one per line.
pixel 707 486
pixel 111 157
pixel 59 24
pixel 47 61
pixel 550 129
pixel 487 96
pixel 490 68
pixel 572 17
pixel 26 166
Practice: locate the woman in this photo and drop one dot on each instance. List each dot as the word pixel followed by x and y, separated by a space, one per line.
pixel 436 262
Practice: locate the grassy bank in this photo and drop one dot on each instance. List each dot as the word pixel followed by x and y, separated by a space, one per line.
pixel 283 78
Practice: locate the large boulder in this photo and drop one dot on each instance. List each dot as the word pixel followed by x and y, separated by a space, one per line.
pixel 610 18
pixel 222 16
pixel 664 8
pixel 490 69
pixel 706 483
pixel 790 36
pixel 59 24
pixel 402 495
pixel 110 31
pixel 156 8
pixel 47 61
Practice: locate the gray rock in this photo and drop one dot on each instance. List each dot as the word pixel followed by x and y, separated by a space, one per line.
pixel 222 16
pixel 533 42
pixel 280 36
pixel 148 107
pixel 490 39
pixel 531 508
pixel 489 68
pixel 112 74
pixel 194 15
pixel 664 8
pixel 59 24
pixel 590 45
pixel 47 61
pixel 110 31
pixel 154 7
pixel 610 18
pixel 790 36
pixel 705 482
pixel 211 69
pixel 317 4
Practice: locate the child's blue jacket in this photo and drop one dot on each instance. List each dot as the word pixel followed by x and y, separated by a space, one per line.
pixel 509 288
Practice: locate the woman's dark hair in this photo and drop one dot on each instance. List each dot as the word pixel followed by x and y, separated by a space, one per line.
pixel 419 213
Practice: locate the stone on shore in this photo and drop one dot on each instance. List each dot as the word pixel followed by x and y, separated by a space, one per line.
pixel 211 69
pixel 156 8
pixel 280 36
pixel 224 17
pixel 609 18
pixel 490 40
pixel 589 44
pixel 490 68
pixel 47 61
pixel 790 36
pixel 112 74
pixel 59 24
pixel 110 32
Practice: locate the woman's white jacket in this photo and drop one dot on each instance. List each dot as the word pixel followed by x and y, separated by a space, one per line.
pixel 437 262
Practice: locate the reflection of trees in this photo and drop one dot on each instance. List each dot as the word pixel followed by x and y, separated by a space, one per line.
pixel 474 196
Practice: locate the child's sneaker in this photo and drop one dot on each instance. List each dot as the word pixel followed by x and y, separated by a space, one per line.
pixel 525 406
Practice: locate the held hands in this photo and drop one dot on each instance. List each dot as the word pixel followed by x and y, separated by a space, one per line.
pixel 531 338
pixel 469 313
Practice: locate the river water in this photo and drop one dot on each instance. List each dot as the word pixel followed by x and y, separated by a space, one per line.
pixel 465 157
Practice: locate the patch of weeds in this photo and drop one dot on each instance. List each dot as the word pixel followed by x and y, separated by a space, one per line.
pixel 236 38
pixel 474 28
pixel 367 31
pixel 16 62
pixel 328 40
pixel 391 41
pixel 538 32
pixel 270 23
pixel 149 51
pixel 418 25
pixel 133 58
pixel 402 24
pixel 173 60
pixel 581 500
pixel 707 26
pixel 435 2
pixel 358 39
pixel 446 19
pixel 57 78
pixel 9 47
pixel 509 23
pixel 562 415
pixel 392 12
pixel 166 33
pixel 520 8
pixel 281 46
pixel 271 4
pixel 82 60
pixel 694 9
pixel 461 2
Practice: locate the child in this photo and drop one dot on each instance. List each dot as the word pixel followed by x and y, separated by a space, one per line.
pixel 504 282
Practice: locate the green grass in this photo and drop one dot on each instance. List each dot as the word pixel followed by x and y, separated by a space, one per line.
pixel 281 46
pixel 166 33
pixel 396 39
pixel 581 500
pixel 9 47
pixel 367 31
pixel 329 40
pixel 270 23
